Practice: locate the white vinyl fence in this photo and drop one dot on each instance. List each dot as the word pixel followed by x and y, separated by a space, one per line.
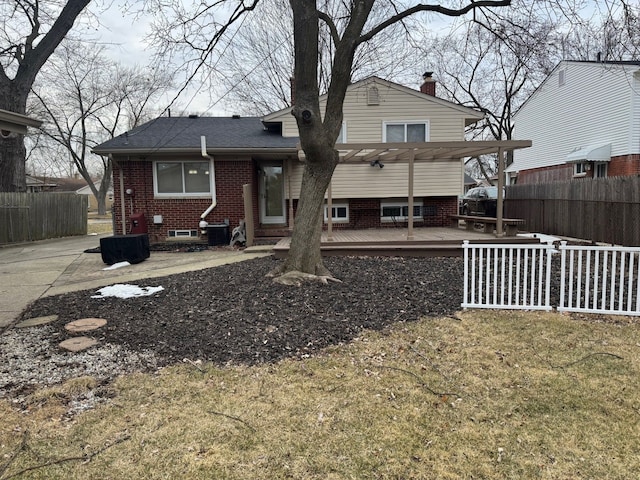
pixel 507 276
pixel 590 279
pixel 600 280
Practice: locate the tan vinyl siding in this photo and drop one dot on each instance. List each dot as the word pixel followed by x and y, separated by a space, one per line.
pixel 432 178
pixel 365 122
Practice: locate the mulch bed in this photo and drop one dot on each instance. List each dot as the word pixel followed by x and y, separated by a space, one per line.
pixel 234 314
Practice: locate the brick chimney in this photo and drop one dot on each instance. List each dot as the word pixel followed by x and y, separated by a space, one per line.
pixel 428 86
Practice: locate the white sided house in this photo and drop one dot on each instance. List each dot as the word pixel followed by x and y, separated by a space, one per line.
pixel 583 121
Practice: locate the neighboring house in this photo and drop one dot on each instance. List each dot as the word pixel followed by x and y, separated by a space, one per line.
pixel 93 203
pixel 175 171
pixel 583 120
pixel 11 122
pixel 469 182
pixel 37 185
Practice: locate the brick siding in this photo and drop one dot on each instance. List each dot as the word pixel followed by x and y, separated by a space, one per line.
pixel 231 175
pixel 181 213
pixel 620 166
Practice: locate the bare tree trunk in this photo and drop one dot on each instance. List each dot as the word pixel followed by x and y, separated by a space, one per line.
pixel 12 170
pixel 304 254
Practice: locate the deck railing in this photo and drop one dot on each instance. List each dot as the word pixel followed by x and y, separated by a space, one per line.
pixel 591 279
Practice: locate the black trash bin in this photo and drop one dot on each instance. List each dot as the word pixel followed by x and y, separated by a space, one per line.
pixel 120 248
pixel 218 234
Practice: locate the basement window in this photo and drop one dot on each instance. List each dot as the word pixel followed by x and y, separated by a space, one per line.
pixel 399 211
pixel 182 233
pixel 339 213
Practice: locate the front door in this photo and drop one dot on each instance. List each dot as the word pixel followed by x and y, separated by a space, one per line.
pixel 272 207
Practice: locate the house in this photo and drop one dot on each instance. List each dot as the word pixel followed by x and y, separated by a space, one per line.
pixel 93 203
pixel 11 122
pixel 401 151
pixel 583 120
pixel 39 184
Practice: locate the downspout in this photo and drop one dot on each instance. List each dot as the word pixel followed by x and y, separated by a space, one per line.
pixel 203 148
pixel 122 206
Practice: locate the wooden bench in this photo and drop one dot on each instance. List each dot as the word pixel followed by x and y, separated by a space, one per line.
pixel 510 225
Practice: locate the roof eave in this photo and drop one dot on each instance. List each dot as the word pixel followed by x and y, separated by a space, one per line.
pixel 210 151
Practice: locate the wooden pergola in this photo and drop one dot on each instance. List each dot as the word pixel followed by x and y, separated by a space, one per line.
pixel 412 153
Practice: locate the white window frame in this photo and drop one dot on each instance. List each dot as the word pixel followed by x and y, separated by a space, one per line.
pixel 212 188
pixel 600 166
pixel 580 169
pixel 386 123
pixel 336 219
pixel 400 218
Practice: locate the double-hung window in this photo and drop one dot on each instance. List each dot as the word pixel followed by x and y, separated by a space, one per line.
pixel 411 131
pixel 182 178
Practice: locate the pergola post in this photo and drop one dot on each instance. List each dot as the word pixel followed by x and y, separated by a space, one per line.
pixel 329 214
pixel 412 154
pixel 500 203
pixel 289 188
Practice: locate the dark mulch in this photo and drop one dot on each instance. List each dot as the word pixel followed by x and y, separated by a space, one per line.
pixel 234 314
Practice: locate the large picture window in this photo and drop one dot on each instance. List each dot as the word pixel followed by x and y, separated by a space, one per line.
pixel 398 132
pixel 178 178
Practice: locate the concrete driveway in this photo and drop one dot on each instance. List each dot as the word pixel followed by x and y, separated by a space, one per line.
pixel 52 267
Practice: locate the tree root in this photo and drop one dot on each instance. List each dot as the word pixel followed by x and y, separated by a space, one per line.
pixel 297 278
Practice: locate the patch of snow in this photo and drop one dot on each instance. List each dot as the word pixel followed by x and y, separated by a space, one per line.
pixel 123 290
pixel 117 265
pixel 541 236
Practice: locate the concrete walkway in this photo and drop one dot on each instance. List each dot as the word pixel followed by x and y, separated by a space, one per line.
pixel 52 267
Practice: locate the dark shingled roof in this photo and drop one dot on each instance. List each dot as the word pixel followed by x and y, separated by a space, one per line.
pixel 185 132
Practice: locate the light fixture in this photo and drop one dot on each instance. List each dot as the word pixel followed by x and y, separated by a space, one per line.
pixel 376 163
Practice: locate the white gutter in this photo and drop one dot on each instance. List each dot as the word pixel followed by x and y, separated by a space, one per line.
pixel 212 178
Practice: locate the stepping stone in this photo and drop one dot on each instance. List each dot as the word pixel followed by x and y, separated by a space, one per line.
pixel 85 325
pixel 77 344
pixel 33 322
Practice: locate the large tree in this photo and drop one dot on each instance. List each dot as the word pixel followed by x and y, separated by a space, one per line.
pixel 494 71
pixel 86 98
pixel 31 31
pixel 351 26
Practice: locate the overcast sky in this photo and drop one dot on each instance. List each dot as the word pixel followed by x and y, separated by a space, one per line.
pixel 125 35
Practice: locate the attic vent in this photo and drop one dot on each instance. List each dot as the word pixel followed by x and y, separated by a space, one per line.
pixel 562 77
pixel 373 96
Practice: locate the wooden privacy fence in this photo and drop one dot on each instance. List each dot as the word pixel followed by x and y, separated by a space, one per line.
pixel 586 279
pixel 597 209
pixel 37 216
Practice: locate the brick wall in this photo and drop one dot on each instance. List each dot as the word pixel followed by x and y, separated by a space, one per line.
pixel 365 213
pixel 181 213
pixel 620 166
pixel 624 166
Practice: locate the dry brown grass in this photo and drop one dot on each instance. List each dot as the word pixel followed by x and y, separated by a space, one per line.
pixel 495 395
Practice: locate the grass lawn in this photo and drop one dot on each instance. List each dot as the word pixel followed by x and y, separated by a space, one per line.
pixel 486 395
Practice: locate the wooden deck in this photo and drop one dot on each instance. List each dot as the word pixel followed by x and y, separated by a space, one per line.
pixel 427 242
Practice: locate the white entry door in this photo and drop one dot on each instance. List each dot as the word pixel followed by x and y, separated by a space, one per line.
pixel 272 207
